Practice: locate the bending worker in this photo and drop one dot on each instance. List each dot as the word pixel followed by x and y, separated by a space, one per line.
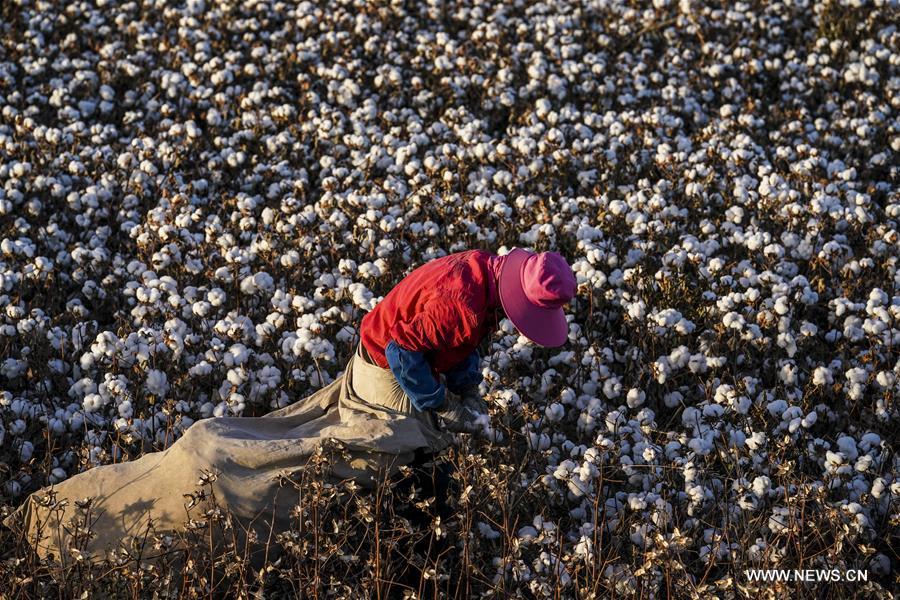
pixel 429 325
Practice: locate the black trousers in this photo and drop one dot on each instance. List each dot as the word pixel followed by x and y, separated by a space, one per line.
pixel 432 479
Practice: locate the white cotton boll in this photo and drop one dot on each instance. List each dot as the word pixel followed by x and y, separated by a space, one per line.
pixel 235 377
pixel 213 117
pixel 848 447
pixel 637 310
pixel 200 369
pixel 248 285
pixel 833 460
pixel 822 376
pixel 863 463
pixel 701 446
pixel 737 438
pixel 564 468
pixel 879 485
pixel 782 305
pixel 776 407
pixel 885 379
pixel 617 207
pixel 236 403
pixel 740 405
pixel 856 375
pixel 614 420
pixel 810 419
pixel 733 320
pixel 125 409
pixel 856 391
pixel 756 440
pixel 263 281
pixel 869 440
pixel 662 368
pixel 788 374
pixel 92 402
pixel 673 399
pixel 667 317
pixel 57 475
pixel 679 356
pixel 690 417
pixel 555 412
pixel 612 388
pixel 237 354
pixel 780 519
pixel 201 308
pixel 486 531
pixel 26 451
pixel 584 548
pixel 880 564
pixel 712 412
pixel 538 442
pixel 636 502
pixel 56 426
pixel 684 326
pixel 216 296
pixel 157 383
pixel 635 397
pixel 527 533
pixel 695 493
pixel 761 486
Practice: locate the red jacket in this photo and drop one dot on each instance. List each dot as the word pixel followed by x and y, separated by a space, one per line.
pixel 443 308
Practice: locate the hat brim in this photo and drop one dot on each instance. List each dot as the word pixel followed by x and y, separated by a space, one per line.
pixel 544 326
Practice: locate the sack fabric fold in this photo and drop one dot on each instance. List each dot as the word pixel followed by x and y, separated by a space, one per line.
pixel 364 409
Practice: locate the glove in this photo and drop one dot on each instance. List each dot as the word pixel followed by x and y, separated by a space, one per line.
pixel 469 393
pixel 461 415
pixel 472 399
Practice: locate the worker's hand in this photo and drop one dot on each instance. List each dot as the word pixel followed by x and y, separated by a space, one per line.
pixel 459 415
pixel 474 401
pixel 471 395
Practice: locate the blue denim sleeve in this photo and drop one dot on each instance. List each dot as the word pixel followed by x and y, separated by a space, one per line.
pixel 414 376
pixel 465 373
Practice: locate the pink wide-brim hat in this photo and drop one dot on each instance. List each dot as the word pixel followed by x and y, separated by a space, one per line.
pixel 533 289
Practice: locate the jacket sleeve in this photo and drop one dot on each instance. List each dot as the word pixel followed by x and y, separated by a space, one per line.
pixel 464 374
pixel 413 373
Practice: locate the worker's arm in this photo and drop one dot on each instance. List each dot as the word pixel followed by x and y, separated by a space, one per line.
pixel 413 373
pixel 440 325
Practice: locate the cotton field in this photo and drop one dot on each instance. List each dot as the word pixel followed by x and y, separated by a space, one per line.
pixel 199 201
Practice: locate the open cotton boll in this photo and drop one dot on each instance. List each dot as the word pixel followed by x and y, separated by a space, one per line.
pixel 57 475
pixel 761 486
pixel 93 402
pixel 635 398
pixel 555 412
pixel 157 383
pixel 486 531
pixel 527 533
pixel 486 430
